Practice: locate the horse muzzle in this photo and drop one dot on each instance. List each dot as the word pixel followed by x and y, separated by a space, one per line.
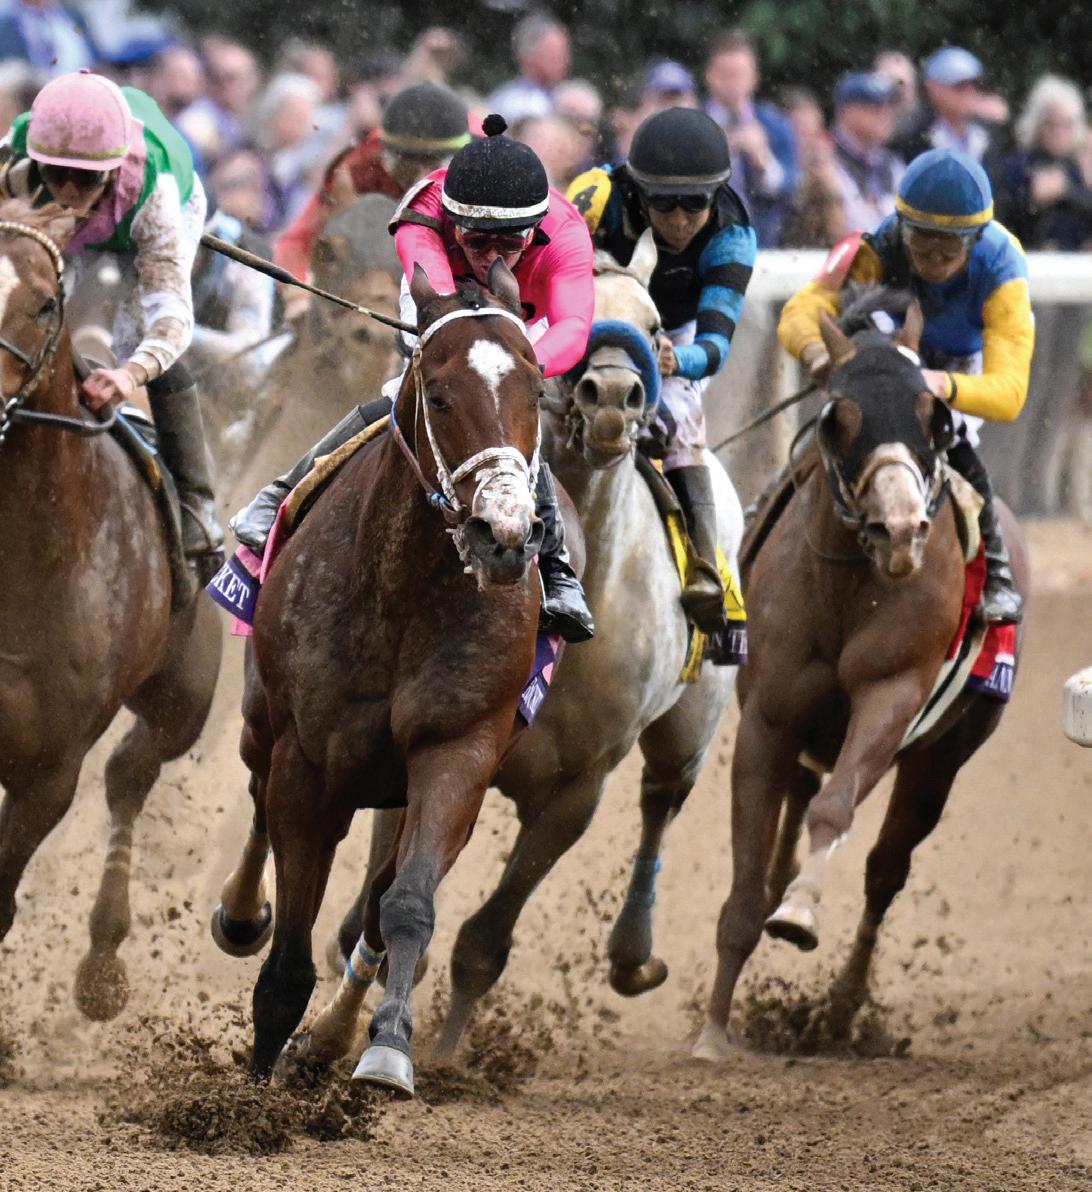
pixel 611 403
pixel 897 545
pixel 501 548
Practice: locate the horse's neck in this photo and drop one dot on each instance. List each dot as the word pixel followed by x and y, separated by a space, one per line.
pixel 605 499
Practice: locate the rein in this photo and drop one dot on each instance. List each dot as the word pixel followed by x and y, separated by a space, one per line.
pixel 492 466
pixel 13 410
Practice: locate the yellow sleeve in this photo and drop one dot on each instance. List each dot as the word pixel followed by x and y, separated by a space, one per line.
pixel 799 323
pixel 588 193
pixel 999 392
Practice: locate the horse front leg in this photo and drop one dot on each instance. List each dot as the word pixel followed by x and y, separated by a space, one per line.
pixel 34 804
pixel 446 785
pixel 878 720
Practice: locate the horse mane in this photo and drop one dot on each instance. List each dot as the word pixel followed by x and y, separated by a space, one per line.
pixel 52 219
pixel 863 301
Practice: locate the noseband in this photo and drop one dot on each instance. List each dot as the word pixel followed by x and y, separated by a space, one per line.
pixel 12 409
pixel 493 466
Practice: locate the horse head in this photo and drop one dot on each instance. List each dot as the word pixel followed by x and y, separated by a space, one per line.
pixel 882 436
pixel 31 299
pixel 472 396
pixel 615 390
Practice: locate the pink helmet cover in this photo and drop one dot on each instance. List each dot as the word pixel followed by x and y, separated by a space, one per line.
pixel 80 120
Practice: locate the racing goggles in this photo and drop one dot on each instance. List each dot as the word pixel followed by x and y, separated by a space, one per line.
pixel 689 203
pixel 56 177
pixel 506 243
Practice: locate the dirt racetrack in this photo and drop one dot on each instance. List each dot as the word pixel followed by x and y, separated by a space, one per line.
pixel 974 1072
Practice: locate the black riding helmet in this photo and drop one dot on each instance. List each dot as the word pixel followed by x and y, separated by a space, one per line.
pixel 495 183
pixel 425 120
pixel 679 151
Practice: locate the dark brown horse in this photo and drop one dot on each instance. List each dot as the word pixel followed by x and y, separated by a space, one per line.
pixel 853 600
pixel 381 676
pixel 85 606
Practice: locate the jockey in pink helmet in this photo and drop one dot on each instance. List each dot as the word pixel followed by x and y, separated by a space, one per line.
pixel 109 155
pixel 492 201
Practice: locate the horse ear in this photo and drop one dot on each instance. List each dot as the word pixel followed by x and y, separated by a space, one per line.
pixel 839 424
pixel 936 420
pixel 422 293
pixel 840 347
pixel 644 258
pixel 503 285
pixel 909 335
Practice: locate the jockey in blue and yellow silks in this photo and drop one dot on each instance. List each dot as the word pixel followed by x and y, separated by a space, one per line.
pixel 969 275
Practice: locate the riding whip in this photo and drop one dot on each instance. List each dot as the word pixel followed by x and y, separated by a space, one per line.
pixel 770 413
pixel 252 261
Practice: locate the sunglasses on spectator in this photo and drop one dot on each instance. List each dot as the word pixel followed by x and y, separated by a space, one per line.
pixel 504 242
pixel 56 177
pixel 690 203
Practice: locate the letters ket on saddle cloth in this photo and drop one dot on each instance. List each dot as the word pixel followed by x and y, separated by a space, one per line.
pixel 236 586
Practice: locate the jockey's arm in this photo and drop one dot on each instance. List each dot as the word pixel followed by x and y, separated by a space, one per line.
pixel 798 327
pixel 421 244
pixel 570 303
pixel 998 393
pixel 164 262
pixel 725 268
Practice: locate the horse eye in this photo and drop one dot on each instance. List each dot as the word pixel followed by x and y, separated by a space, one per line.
pixel 437 402
pixel 48 307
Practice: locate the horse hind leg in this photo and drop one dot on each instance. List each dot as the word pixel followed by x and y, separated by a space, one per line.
pixel 485 939
pixel 34 804
pixel 923 782
pixel 160 734
pixel 784 866
pixel 243 920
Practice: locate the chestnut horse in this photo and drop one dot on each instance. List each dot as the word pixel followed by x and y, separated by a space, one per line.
pixel 86 623
pixel 853 600
pixel 381 677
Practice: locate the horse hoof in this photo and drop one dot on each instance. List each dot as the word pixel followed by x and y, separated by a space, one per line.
pixel 712 1045
pixel 797 924
pixel 102 988
pixel 242 937
pixel 387 1067
pixel 631 982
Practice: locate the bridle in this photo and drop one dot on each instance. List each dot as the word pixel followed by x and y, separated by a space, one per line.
pixel 12 409
pixel 494 467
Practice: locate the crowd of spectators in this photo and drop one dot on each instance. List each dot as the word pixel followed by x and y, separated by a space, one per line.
pixel 809 167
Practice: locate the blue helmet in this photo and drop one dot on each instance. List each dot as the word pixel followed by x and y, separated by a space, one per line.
pixel 945 190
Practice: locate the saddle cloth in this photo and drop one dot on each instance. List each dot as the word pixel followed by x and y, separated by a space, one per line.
pixel 235 587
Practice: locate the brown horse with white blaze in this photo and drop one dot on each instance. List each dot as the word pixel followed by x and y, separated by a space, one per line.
pixel 854 596
pixel 382 677
pixel 86 620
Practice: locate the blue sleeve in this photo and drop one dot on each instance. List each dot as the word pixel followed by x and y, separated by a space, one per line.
pixel 725 268
pixel 12 42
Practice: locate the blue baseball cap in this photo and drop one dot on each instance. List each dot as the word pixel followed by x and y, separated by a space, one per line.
pixel 952 66
pixel 866 87
pixel 668 77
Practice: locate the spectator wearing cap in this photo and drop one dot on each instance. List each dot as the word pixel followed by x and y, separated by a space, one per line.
pixel 760 138
pixel 950 118
pixel 52 37
pixel 866 173
pixel 667 85
pixel 544 54
pixel 423 125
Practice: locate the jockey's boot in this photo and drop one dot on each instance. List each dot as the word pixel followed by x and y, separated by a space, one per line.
pixel 252 524
pixel 703 593
pixel 180 431
pixel 564 606
pixel 1001 603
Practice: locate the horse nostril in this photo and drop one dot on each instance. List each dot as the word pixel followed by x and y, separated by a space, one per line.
pixel 587 392
pixel 923 527
pixel 878 531
pixel 635 398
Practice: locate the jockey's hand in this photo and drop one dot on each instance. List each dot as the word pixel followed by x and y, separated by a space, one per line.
pixel 815 359
pixel 669 364
pixel 938 382
pixel 106 385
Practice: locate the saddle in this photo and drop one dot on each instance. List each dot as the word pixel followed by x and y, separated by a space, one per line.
pixel 135 433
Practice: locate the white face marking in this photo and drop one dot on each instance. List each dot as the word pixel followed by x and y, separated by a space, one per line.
pixel 9 280
pixel 491 362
